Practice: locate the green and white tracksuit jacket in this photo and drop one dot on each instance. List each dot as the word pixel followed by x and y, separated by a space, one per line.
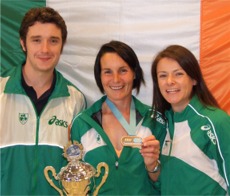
pixel 30 142
pixel 127 174
pixel 196 152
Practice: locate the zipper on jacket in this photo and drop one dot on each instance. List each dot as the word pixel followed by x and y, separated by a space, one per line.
pixel 36 158
pixel 116 164
pixel 169 142
pixel 37 130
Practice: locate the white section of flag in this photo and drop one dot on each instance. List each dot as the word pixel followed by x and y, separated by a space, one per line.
pixel 147 26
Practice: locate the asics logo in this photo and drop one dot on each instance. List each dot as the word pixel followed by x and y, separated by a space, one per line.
pixel 205 127
pixel 210 134
pixel 159 118
pixel 58 122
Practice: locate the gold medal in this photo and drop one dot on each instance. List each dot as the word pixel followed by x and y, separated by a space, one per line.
pixel 131 141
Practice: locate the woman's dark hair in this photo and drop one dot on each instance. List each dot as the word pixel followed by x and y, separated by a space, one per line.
pixel 190 65
pixel 127 54
pixel 42 15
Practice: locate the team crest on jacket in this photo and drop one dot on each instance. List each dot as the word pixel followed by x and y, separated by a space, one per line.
pixel 23 118
pixel 98 139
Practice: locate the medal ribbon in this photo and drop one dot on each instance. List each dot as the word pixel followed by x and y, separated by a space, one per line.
pixel 130 128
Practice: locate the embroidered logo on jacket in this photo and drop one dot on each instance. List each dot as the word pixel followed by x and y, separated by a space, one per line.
pixel 98 139
pixel 23 118
pixel 209 133
pixel 158 118
pixel 58 122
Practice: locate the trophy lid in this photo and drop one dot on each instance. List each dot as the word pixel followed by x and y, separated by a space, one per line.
pixel 73 151
pixel 76 170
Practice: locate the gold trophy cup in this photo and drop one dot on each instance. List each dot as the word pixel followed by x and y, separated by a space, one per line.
pixel 75 177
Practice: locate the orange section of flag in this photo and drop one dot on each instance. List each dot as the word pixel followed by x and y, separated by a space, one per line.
pixel 215 49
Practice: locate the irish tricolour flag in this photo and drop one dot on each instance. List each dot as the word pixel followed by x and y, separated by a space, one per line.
pixel 203 26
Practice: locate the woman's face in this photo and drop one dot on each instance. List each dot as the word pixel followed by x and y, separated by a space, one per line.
pixel 116 77
pixel 174 83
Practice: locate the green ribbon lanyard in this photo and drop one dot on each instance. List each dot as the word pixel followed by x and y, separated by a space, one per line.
pixel 130 128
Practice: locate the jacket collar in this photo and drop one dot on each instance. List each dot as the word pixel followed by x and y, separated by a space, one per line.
pixel 140 107
pixel 14 84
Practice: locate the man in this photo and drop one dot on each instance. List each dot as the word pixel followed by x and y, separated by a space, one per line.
pixel 37 105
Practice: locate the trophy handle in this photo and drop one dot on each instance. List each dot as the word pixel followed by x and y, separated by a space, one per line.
pixel 99 166
pixel 46 170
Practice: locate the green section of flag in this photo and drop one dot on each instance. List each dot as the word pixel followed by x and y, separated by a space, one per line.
pixel 12 12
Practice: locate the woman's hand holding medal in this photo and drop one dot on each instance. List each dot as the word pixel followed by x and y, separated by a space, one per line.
pixel 150 150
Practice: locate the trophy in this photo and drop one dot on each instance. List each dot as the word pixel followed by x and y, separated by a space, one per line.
pixel 76 176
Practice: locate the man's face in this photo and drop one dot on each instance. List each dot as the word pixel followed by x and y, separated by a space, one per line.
pixel 43 46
